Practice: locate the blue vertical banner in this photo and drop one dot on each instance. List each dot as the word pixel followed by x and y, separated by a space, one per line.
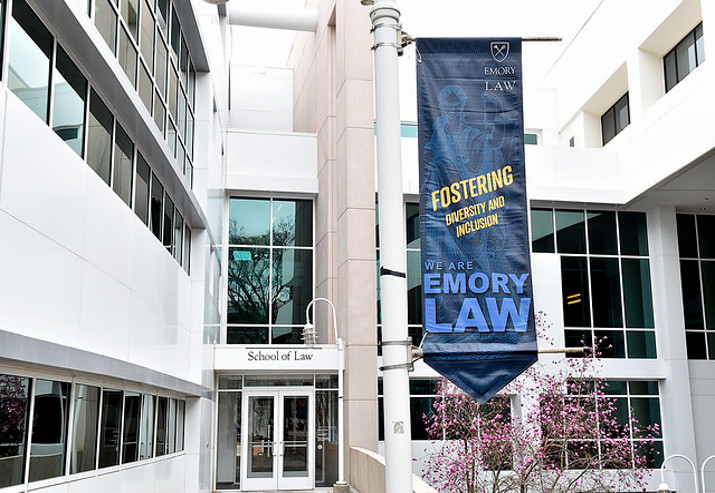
pixel 477 309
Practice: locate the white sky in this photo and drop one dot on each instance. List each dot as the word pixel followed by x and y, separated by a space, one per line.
pixel 423 18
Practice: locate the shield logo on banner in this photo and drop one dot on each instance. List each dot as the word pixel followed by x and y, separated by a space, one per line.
pixel 500 50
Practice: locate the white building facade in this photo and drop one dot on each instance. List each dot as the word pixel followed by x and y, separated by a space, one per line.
pixel 167 215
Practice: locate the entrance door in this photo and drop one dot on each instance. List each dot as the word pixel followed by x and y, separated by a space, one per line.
pixel 278 439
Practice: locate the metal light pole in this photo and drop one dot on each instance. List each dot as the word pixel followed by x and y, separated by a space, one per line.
pixel 309 338
pixel 396 345
pixel 664 488
pixel 702 472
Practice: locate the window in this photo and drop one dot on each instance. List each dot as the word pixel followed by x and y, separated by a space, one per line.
pixel 615 119
pixel 270 270
pixel 636 407
pixel 127 56
pixel 168 234
pixel 157 197
pixel 605 278
pixel 141 192
pixel 99 137
pixel 84 433
pixel 49 430
pixel 70 91
pixel 15 411
pixel 681 60
pixel 29 59
pixel 696 244
pixel 105 19
pixel 146 444
pixel 123 154
pixel 130 433
pixel 161 419
pixel 422 394
pixel 110 428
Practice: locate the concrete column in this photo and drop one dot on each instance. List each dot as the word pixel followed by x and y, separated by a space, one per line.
pixel 675 395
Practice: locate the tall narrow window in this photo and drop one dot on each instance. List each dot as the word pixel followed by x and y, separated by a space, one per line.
pixel 29 60
pixel 130 428
pixel 146 43
pixel 84 429
pixel 161 422
pixel 141 193
pixel 168 223
pixel 110 427
pixel 615 119
pixel 14 414
pixel 99 137
pixel 146 438
pixel 178 236
pixel 123 152
pixel 127 56
pixel 105 19
pixel 130 14
pixel 49 430
pixel 157 198
pixel 70 90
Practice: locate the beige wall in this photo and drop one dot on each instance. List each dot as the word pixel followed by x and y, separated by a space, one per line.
pixel 333 97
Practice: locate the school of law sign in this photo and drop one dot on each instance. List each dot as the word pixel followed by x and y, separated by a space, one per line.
pixel 476 271
pixel 283 358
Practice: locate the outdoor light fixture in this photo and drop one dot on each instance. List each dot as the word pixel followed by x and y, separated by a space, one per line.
pixel 310 335
pixel 663 488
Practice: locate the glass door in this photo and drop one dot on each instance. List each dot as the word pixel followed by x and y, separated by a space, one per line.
pixel 278 439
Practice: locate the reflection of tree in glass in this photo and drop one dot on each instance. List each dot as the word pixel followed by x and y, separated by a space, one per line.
pixel 13 414
pixel 250 295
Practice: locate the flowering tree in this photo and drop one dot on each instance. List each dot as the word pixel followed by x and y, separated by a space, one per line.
pixel 13 414
pixel 567 435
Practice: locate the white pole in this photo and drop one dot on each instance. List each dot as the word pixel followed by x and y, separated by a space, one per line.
pixel 685 458
pixel 702 473
pixel 393 283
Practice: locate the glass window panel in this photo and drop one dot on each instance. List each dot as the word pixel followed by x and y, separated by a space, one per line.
pixel 189 173
pixel 187 249
pixel 159 113
pixel 622 114
pixel 287 335
pixel 175 36
pixel 606 289
pixel 671 71
pixel 160 66
pixel 184 63
pixel 687 240
pixel 646 410
pixel 105 19
pixel 711 344
pixel 326 381
pixel 146 438
pixel 292 223
pixel 292 285
pixel 181 158
pixel 610 343
pixel 685 56
pixel 230 382
pixel 692 303
pixel 180 409
pixel 419 407
pixel 190 136
pixel 146 87
pixel 14 411
pixel 248 285
pixel 141 194
pixel 261 437
pixel 228 454
pixel 570 232
pixel 84 429
pixel 70 91
pixel 414 289
pixel 109 429
pixel 146 44
pixel 608 126
pixel 49 429
pixel 699 45
pixel 695 342
pixel 637 293
pixel 574 285
pixel 168 223
pixel 615 387
pixel 641 344
pixel 162 15
pixel 181 115
pixel 412 219
pixel 171 427
pixel 326 433
pixel 127 56
pixel 130 428
pixel 178 230
pixel 542 231
pixel 29 59
pixel 161 422
pixel 129 11
pixel 123 152
pixel 157 197
pixel 248 222
pixel 99 137
pixel 246 335
pixel 171 136
pixel 708 269
pixel 173 88
pixel 643 387
pixel 633 233
pixel 706 236
pixel 602 233
pixel 652 451
pixel 192 86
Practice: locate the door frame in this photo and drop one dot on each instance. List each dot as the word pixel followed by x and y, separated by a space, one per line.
pixel 276 481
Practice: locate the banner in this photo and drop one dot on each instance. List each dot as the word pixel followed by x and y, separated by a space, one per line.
pixel 477 309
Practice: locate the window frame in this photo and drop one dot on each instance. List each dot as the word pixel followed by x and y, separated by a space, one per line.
pixel 674 53
pixel 612 116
